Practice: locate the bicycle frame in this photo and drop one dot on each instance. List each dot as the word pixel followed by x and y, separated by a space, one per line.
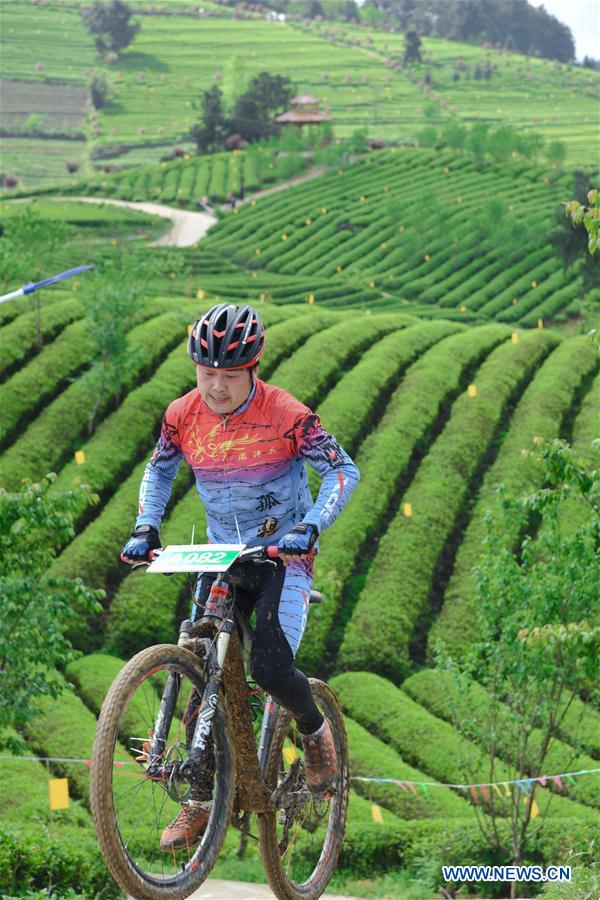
pixel 224 667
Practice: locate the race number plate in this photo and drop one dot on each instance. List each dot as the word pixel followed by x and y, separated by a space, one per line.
pixel 196 558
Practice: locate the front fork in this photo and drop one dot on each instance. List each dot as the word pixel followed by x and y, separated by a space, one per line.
pixel 266 732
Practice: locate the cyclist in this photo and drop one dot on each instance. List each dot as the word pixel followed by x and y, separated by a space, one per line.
pixel 247 442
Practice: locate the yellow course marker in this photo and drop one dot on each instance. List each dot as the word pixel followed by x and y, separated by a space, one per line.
pixel 407 509
pixel 540 323
pixel 472 390
pixel 201 294
pixel 311 298
pixel 58 792
pixel 289 754
pixel 79 457
pixel 190 329
pixel 515 337
pixel 376 814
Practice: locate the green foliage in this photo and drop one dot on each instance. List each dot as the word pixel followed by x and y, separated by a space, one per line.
pixel 252 117
pixel 410 556
pixel 253 113
pixel 27 246
pixel 371 758
pixel 438 691
pixel 435 747
pixel 538 415
pixel 36 608
pixel 588 216
pixel 585 876
pixel 42 858
pixel 538 627
pixel 31 330
pixel 211 134
pixel 99 90
pixel 109 24
pixel 112 306
pixel 58 430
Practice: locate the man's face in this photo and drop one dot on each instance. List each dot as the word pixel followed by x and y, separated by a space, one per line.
pixel 222 390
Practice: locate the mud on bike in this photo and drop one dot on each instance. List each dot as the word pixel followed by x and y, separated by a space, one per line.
pixel 176 714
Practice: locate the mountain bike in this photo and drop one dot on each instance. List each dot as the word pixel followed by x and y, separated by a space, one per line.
pixel 179 715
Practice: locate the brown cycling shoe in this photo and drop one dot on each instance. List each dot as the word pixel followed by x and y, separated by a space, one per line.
pixel 186 829
pixel 320 759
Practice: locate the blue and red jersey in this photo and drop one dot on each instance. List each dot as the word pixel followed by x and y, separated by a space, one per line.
pixel 249 466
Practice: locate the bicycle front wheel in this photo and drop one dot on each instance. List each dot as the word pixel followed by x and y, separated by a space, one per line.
pixel 130 807
pixel 301 841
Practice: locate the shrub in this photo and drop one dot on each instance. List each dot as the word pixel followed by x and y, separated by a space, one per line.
pixel 429 743
pixel 371 758
pixel 18 337
pixel 318 365
pixel 384 459
pixel 437 691
pixel 58 430
pixel 539 414
pixel 381 636
pixel 99 89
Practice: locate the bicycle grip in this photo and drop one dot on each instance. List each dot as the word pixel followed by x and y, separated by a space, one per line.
pixel 273 552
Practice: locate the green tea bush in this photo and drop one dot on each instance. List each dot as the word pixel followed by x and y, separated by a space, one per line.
pixel 431 744
pixel 437 691
pixel 318 364
pixel 58 430
pixel 422 398
pixel 371 758
pixel 19 337
pixel 380 636
pixel 539 414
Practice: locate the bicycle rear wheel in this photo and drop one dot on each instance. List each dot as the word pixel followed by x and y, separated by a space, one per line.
pixel 301 841
pixel 130 808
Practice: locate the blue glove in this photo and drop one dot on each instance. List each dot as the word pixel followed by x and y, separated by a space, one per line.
pixel 144 539
pixel 299 540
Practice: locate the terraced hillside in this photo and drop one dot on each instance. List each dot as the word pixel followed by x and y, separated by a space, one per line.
pixel 190 179
pixel 353 71
pixel 394 389
pixel 425 227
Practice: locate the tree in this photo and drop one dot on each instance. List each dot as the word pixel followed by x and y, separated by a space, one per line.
pixel 576 236
pixel 254 112
pixel 211 134
pixel 99 90
pixel 412 42
pixel 36 608
pixel 109 24
pixel 27 249
pixel 539 634
pixel 112 306
pixel 556 153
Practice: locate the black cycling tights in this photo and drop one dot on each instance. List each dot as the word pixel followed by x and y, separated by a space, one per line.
pixel 271 659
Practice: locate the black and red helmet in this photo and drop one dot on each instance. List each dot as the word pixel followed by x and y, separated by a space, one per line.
pixel 227 337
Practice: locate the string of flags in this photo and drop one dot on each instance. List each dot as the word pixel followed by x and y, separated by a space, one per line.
pixel 524 784
pixel 58 788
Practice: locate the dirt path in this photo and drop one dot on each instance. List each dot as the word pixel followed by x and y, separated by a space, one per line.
pixel 188 227
pixel 315 172
pixel 217 889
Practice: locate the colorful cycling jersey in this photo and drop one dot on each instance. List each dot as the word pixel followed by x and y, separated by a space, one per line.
pixel 249 466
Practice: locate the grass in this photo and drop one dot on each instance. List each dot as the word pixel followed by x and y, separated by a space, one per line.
pixel 157 82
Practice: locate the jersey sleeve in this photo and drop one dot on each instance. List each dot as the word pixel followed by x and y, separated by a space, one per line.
pixel 325 455
pixel 157 482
